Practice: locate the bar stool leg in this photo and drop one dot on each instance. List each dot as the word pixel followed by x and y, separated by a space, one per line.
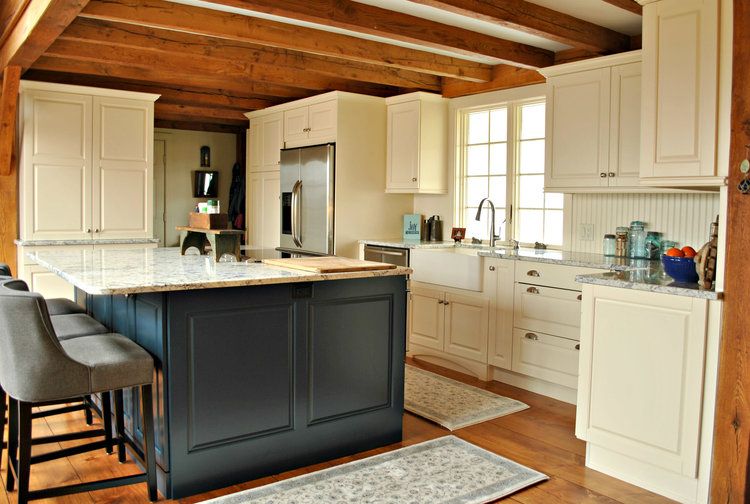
pixel 87 409
pixel 24 451
pixel 10 482
pixel 149 451
pixel 107 421
pixel 120 426
pixel 3 398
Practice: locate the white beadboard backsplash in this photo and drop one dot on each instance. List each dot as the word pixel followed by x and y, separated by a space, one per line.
pixel 682 217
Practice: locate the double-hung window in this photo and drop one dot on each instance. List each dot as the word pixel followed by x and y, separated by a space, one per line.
pixel 502 158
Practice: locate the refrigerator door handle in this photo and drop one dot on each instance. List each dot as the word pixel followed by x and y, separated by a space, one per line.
pixel 296 212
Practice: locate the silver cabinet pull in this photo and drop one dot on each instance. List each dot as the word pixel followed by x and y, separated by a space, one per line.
pixel 532 290
pixel 531 336
pixel 492 268
pixel 533 273
pixel 414 179
pixel 611 174
pixel 578 346
pixel 579 297
pixel 603 175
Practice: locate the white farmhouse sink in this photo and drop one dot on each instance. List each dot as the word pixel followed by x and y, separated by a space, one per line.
pixel 451 267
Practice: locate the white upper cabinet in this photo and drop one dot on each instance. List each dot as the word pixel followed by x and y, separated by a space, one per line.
pixel 265 139
pixel 680 93
pixel 593 124
pixel 86 163
pixel 417 160
pixel 310 124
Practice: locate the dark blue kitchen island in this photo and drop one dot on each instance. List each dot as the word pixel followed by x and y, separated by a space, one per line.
pixel 258 369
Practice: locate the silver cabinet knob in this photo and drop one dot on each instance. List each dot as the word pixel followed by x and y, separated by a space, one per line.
pixel 532 273
pixel 96 230
pixel 414 179
pixel 611 174
pixel 531 336
pixel 603 175
pixel 88 230
pixel 492 268
pixel 578 346
pixel 440 301
pixel 532 290
pixel 579 297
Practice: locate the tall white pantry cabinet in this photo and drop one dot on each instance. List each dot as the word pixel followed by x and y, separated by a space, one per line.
pixel 86 172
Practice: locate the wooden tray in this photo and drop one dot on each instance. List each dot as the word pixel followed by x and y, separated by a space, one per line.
pixel 208 221
pixel 328 264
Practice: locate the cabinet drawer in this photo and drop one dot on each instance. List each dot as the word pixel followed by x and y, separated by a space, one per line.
pixel 551 275
pixel 548 309
pixel 546 357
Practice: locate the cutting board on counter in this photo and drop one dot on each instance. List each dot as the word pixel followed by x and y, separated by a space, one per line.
pixel 328 264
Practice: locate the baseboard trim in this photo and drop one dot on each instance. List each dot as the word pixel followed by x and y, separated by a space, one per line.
pixel 549 389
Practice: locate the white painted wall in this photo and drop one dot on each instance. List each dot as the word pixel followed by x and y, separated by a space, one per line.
pixel 183 158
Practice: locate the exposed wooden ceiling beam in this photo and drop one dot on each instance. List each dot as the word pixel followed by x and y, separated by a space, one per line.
pixel 165 41
pixel 40 24
pixel 161 76
pixel 505 76
pixel 10 13
pixel 171 111
pixel 364 18
pixel 169 94
pixel 199 126
pixel 8 107
pixel 628 5
pixel 236 70
pixel 172 16
pixel 537 20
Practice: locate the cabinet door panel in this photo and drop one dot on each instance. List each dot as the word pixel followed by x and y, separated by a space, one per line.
pixel 264 217
pixel 123 172
pixel 578 122
pixel 295 124
pixel 272 141
pixel 466 321
pixel 625 140
pixel 322 120
pixel 255 145
pixel 55 192
pixel 403 146
pixel 427 317
pixel 546 357
pixel 501 312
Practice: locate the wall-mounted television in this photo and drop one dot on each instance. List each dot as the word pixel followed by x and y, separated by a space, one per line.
pixel 206 184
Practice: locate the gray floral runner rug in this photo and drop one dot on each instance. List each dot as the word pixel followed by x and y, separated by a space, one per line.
pixel 451 403
pixel 439 471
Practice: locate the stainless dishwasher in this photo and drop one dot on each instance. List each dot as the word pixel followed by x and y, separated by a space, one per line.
pixel 390 255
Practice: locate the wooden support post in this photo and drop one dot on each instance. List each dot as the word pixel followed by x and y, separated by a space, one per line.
pixel 729 474
pixel 9 166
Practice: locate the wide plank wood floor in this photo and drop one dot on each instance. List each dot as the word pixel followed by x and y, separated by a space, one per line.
pixel 540 437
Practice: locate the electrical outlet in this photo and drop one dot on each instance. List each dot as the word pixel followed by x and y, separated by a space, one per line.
pixel 586 232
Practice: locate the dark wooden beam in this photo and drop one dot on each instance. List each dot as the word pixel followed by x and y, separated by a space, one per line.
pixel 171 42
pixel 178 17
pixel 729 471
pixel 199 126
pixel 628 5
pixel 364 18
pixel 537 20
pixel 169 94
pixel 40 24
pixel 504 77
pixel 9 167
pixel 170 111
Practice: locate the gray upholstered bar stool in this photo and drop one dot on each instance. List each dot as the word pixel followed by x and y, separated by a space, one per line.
pixel 36 367
pixel 55 306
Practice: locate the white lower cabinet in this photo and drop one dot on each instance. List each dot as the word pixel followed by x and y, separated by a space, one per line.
pixel 641 387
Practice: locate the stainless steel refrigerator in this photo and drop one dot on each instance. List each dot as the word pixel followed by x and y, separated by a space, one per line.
pixel 307 200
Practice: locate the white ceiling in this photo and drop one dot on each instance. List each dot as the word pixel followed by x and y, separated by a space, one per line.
pixel 595 11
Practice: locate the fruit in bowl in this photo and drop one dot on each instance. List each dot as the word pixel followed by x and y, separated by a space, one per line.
pixel 680 265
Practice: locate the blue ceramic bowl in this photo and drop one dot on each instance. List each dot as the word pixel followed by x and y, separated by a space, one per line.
pixel 682 269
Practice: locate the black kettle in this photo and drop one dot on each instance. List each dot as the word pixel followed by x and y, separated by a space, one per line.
pixel 434 228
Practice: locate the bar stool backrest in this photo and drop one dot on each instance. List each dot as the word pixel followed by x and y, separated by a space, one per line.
pixel 15 284
pixel 5 269
pixel 33 365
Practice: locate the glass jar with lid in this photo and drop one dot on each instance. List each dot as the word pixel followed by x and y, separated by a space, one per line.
pixel 621 241
pixel 608 245
pixel 638 240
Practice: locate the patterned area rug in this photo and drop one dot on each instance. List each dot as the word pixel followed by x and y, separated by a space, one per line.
pixel 444 470
pixel 451 403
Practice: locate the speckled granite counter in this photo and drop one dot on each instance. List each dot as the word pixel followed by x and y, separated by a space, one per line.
pixel 626 273
pixel 62 243
pixel 164 269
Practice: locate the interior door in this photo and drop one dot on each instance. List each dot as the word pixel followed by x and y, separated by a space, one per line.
pixel 316 199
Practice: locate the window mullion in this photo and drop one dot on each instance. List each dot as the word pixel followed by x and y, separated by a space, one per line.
pixel 510 191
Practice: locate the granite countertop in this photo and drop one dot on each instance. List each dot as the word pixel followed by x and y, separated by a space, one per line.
pixel 626 273
pixel 164 269
pixel 62 243
pixel 408 244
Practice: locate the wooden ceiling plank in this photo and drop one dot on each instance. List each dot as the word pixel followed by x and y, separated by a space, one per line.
pixel 628 5
pixel 169 94
pixel 199 126
pixel 10 13
pixel 537 20
pixel 238 70
pixel 505 77
pixel 131 36
pixel 372 20
pixel 40 24
pixel 161 76
pixel 225 116
pixel 178 17
pixel 8 109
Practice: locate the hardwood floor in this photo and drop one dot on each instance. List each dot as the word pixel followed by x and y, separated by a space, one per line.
pixel 540 437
